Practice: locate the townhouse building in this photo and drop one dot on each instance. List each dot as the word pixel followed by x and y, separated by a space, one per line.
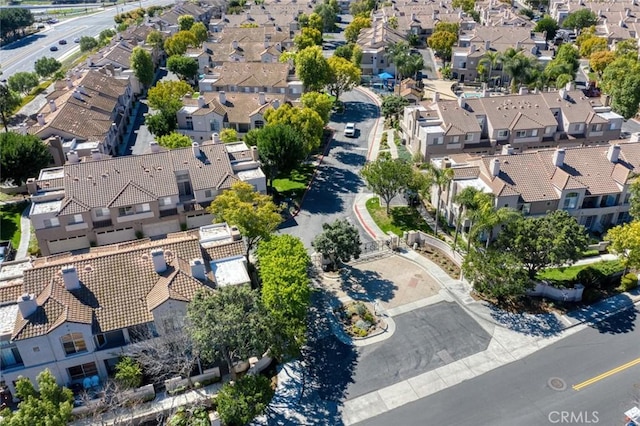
pixel 373 42
pixel 101 202
pixel 77 314
pixel 252 77
pixel 280 17
pixel 168 20
pixel 523 121
pixel 90 108
pixel 212 112
pixel 590 182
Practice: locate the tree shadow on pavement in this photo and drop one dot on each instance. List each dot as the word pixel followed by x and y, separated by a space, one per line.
pixel 366 285
pixel 350 158
pixel 330 181
pixel 541 325
pixel 356 112
pixel 595 315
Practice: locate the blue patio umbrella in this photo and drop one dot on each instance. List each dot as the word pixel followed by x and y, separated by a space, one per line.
pixel 385 76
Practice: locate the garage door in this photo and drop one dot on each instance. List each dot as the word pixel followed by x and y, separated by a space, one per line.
pixel 68 244
pixel 198 221
pixel 115 236
pixel 162 228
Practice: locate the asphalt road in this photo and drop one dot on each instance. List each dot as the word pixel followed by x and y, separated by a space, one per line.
pixel 520 394
pixel 21 55
pixel 337 180
pixel 425 339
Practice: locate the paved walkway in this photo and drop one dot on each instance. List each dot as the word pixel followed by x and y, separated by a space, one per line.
pixel 25 234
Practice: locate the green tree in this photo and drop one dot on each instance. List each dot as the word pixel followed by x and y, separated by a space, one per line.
pixel 352 31
pixel 178 43
pixel 23 82
pixel 315 22
pixel 387 178
pixel 304 121
pixel 320 103
pixel 441 178
pixel 200 32
pixel 240 402
pixel 251 137
pixel 105 36
pixel 591 45
pixel 230 323
pixel 142 66
pixel 186 68
pixel 397 54
pixel 46 66
pixel 307 37
pixel 128 373
pixel 621 80
pixel 581 18
pixel 567 61
pixel 625 243
pixel 281 149
pixel 229 135
pixel 628 48
pixel 9 102
pixel 155 39
pixel 50 405
pixel 338 242
pixel 185 22
pixel 343 76
pixel 540 242
pixel 393 106
pixel 466 5
pixel 442 43
pixel 598 61
pixel 634 201
pixel 255 214
pixel 22 156
pixel 452 27
pixel 161 123
pixel 174 140
pixel 167 95
pixel 496 274
pixel 13 22
pixel 549 25
pixel 490 61
pixel 327 15
pixel 88 43
pixel 286 291
pixel 360 8
pixel 312 68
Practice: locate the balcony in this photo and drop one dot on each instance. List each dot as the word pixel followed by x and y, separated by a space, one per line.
pixel 168 212
pixel 76 226
pixel 135 216
pixel 102 223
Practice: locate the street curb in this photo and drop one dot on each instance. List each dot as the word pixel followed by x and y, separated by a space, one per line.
pixel 362 222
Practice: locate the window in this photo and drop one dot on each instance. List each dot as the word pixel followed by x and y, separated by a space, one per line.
pixel 613 126
pixel 596 127
pixel 9 354
pixel 549 130
pixel 526 208
pixel 102 212
pixel 521 134
pixel 77 218
pixel 51 223
pixel 570 201
pixel 143 208
pixel 468 137
pixel 437 140
pixel 578 127
pixel 81 371
pixel 534 132
pixel 208 193
pixel 455 139
pixel 101 339
pixel 258 124
pixel 627 197
pixel 214 126
pixel 126 211
pixel 73 343
pixel 189 123
pixel 503 133
pixel 588 221
pixel 164 201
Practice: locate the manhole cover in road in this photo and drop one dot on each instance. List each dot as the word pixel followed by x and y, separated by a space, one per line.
pixel 557 384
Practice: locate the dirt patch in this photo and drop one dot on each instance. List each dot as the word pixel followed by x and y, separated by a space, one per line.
pixel 441 259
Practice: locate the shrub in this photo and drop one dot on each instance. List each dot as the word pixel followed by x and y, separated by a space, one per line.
pixel 358 332
pixel 239 403
pixel 128 373
pixel 590 277
pixel 629 282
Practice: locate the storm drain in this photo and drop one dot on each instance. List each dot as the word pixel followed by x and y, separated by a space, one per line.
pixel 557 384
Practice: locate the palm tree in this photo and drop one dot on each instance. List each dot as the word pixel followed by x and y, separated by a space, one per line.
pixel 413 64
pixel 511 60
pixel 465 200
pixel 478 207
pixel 441 178
pixel 489 219
pixel 490 60
pixel 398 54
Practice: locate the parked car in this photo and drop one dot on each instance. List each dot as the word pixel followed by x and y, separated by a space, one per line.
pixel 350 130
pixel 63 41
pixel 76 40
pixel 53 48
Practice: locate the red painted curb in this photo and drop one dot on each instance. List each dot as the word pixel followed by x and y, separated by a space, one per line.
pixel 363 223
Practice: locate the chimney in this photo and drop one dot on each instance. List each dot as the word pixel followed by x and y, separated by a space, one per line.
pixel 606 100
pixel 523 91
pixel 487 45
pixel 461 102
pixel 155 148
pixel 436 97
pixel 563 93
pixel 159 263
pixel 254 153
pixel 72 157
pixel 195 147
pixel 613 153
pixel 201 101
pixel 70 277
pixel 472 49
pixel 69 83
pixel 40 119
pixel 495 167
pixel 27 304
pixel 52 105
pixel 248 16
pixel 198 270
pixel 261 98
pixel 507 150
pixel 82 90
pixel 215 138
pixel 518 45
pixel 77 94
pixel 95 154
pixel 276 103
pixel 558 157
pixel 223 97
pixel 22 129
pixel 570 86
pixel 32 186
pixel 413 17
pixel 234 44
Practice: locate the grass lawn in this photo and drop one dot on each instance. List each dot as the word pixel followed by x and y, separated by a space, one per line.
pixel 296 182
pixel 569 273
pixel 402 218
pixel 10 223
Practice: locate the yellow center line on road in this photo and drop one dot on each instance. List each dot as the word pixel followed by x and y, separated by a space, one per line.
pixel 606 374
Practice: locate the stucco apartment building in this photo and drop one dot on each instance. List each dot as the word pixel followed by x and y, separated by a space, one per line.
pixel 75 315
pixel 524 121
pixel 591 183
pixel 89 203
pixel 90 108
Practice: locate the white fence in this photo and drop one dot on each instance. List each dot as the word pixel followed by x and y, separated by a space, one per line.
pixel 420 238
pixel 560 294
